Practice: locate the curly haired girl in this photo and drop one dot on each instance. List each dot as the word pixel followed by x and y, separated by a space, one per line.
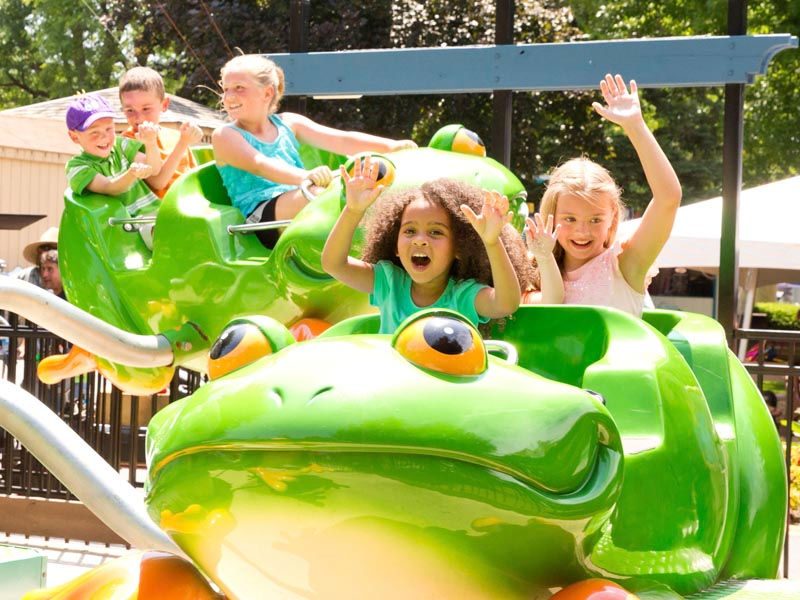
pixel 443 244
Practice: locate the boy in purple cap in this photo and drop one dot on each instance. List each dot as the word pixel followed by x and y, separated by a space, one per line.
pixel 111 164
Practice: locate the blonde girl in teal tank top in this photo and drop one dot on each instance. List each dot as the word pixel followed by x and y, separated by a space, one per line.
pixel 257 155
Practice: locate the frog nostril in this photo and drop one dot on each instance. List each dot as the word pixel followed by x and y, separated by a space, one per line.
pixel 318 393
pixel 276 396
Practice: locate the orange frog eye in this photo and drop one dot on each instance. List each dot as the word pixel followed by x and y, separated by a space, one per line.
pixel 466 141
pixel 237 346
pixel 443 342
pixel 385 168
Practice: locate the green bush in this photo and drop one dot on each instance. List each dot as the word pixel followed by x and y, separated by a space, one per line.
pixel 780 315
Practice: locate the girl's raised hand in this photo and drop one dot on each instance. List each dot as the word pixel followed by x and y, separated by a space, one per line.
pixel 540 236
pixel 494 216
pixel 361 188
pixel 622 107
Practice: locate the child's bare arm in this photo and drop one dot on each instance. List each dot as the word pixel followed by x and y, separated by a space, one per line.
pixel 148 135
pixel 336 260
pixel 339 141
pixel 113 186
pixel 502 299
pixel 623 108
pixel 190 133
pixel 230 148
pixel 541 239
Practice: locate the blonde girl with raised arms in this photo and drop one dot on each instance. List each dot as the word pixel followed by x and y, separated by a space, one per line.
pixel 585 205
pixel 444 244
pixel 257 155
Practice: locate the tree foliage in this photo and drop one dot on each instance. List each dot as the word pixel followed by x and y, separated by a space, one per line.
pixel 49 51
pixel 690 120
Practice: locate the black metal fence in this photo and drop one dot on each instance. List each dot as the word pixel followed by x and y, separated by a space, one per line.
pixel 773 359
pixel 111 422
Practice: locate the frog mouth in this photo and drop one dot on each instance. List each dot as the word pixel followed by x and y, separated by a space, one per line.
pixel 597 482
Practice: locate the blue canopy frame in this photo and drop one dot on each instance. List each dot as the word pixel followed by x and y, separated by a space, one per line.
pixel 662 62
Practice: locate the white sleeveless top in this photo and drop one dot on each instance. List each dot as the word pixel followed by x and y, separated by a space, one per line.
pixel 599 282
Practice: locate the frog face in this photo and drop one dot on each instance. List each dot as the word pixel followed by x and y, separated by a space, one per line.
pixel 341 431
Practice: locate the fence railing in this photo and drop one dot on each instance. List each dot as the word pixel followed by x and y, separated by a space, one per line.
pixel 111 422
pixel 773 360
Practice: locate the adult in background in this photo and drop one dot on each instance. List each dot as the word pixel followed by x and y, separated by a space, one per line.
pixel 33 254
pixel 49 273
pixel 46 275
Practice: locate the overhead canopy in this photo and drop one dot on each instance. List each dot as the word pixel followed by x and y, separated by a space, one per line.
pixel 769 233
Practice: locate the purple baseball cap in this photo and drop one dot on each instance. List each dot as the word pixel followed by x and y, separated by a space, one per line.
pixel 85 110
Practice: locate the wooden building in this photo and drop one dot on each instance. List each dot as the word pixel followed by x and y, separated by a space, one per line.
pixel 34 147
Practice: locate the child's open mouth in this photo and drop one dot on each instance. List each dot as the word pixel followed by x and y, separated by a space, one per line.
pixel 420 260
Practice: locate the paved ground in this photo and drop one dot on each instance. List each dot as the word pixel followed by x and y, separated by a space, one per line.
pixel 68 559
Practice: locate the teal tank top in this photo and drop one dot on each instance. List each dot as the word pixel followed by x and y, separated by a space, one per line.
pixel 247 190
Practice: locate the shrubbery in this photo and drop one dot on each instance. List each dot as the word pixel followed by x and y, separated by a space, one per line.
pixel 780 315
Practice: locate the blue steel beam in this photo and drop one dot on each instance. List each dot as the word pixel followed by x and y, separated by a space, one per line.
pixel 660 62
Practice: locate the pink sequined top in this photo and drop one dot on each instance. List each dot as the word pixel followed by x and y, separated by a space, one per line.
pixel 599 282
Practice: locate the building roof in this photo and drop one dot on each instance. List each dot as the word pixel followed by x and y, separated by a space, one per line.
pixel 180 109
pixel 41 134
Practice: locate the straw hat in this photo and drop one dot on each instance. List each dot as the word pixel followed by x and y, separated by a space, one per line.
pixel 49 238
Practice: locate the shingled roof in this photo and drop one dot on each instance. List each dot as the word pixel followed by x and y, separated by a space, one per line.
pixel 180 109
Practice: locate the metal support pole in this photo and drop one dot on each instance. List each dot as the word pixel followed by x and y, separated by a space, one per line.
pixel 502 107
pixel 298 42
pixel 733 134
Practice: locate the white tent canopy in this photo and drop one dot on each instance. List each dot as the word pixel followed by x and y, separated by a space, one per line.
pixel 769 233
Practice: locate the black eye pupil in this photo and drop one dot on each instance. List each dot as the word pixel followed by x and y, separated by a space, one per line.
pixel 474 137
pixel 227 341
pixel 382 169
pixel 448 336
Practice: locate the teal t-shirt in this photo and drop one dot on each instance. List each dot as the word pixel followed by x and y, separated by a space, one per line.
pixel 248 190
pixel 392 295
pixel 82 169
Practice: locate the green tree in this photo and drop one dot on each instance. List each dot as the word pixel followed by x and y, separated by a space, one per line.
pixel 689 121
pixel 48 51
pixel 548 127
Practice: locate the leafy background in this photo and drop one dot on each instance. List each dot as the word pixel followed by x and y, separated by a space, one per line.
pixel 50 49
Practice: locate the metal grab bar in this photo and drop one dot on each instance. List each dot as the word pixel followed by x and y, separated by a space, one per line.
pixel 112 221
pixel 508 351
pixel 251 227
pixel 305 189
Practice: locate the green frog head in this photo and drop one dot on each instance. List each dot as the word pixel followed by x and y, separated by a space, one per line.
pixel 375 459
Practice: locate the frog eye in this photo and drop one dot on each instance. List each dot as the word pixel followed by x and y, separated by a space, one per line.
pixel 244 341
pixel 442 342
pixel 468 142
pixel 457 138
pixel 385 167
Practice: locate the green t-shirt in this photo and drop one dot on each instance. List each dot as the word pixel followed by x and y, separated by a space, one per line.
pixel 392 295
pixel 82 169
